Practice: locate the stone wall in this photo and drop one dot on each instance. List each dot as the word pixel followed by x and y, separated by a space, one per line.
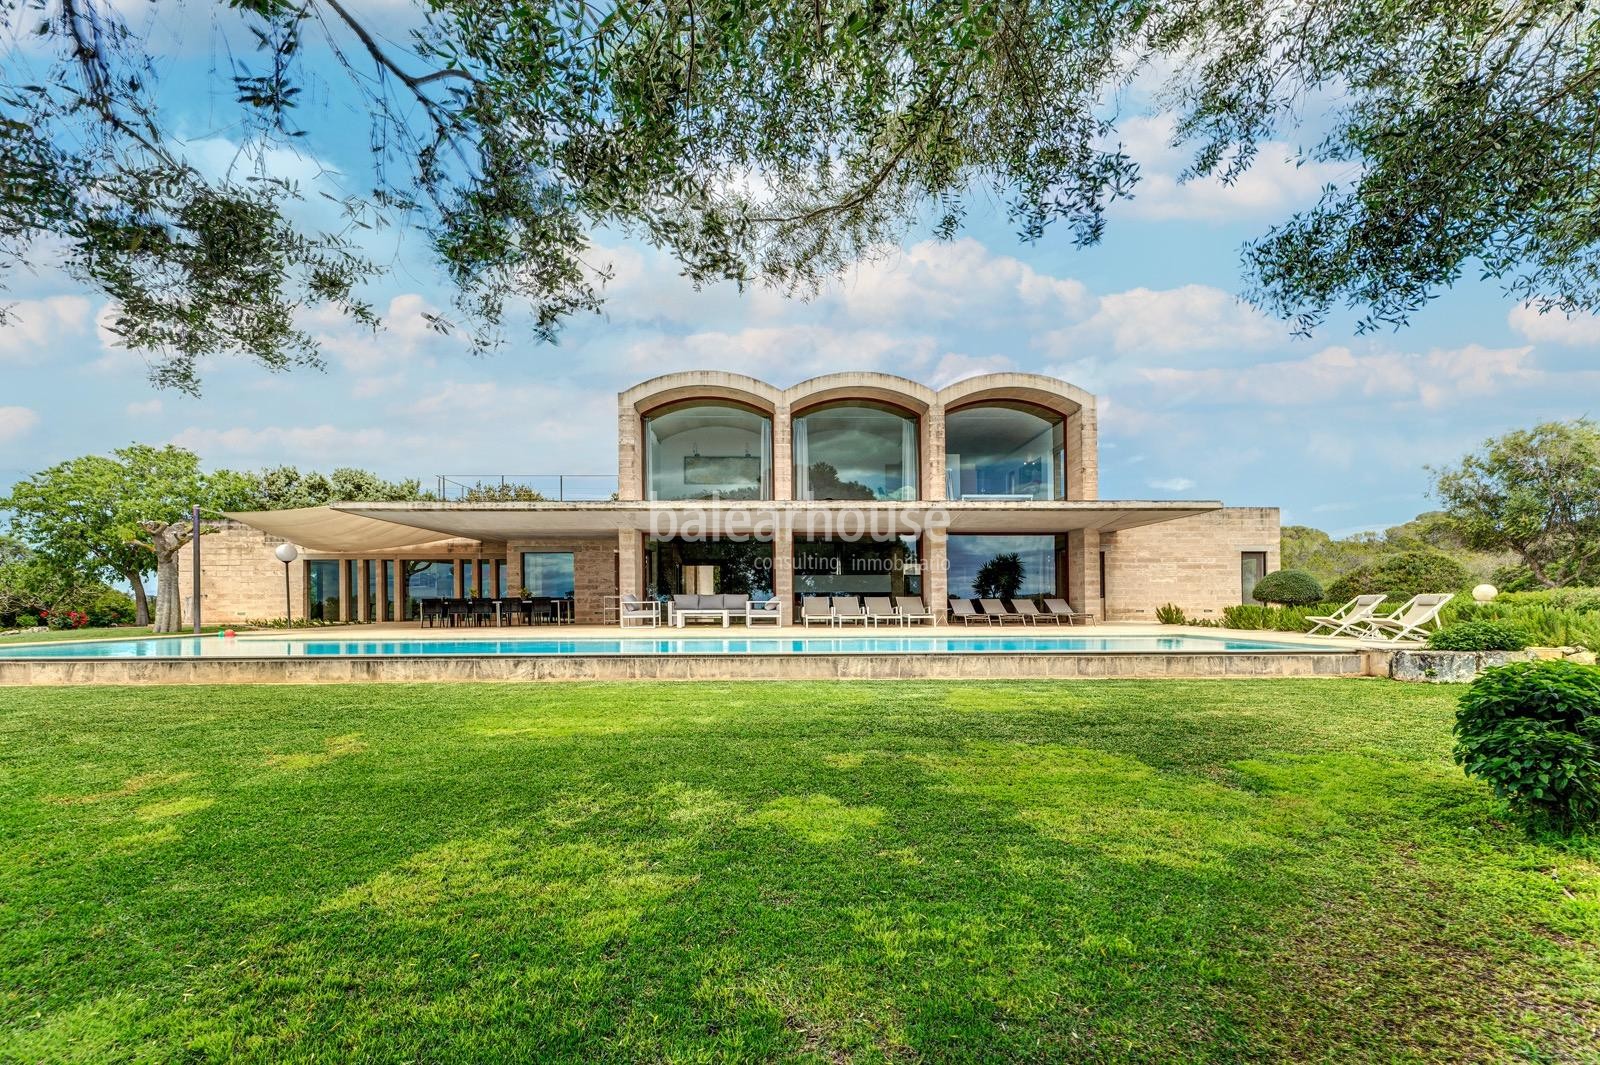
pixel 240 577
pixel 594 571
pixel 1192 562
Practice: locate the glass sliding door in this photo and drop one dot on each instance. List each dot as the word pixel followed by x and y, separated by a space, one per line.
pixel 856 567
pixel 322 589
pixel 427 580
pixel 709 567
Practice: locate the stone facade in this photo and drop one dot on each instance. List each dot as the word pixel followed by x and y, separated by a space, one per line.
pixel 594 571
pixel 1192 562
pixel 240 577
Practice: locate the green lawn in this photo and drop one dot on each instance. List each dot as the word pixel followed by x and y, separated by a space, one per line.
pixel 831 872
pixel 118 632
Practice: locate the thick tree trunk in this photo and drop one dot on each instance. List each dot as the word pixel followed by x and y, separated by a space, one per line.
pixel 167 539
pixel 141 601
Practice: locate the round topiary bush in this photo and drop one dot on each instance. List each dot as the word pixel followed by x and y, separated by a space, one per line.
pixel 1479 636
pixel 1288 587
pixel 1401 576
pixel 1531 730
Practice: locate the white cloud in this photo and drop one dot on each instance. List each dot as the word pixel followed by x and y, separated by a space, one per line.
pixel 16 422
pixel 944 281
pixel 1553 327
pixel 327 444
pixel 148 408
pixel 1172 484
pixel 1188 318
pixel 1274 185
pixel 787 353
pixel 405 339
pixel 1433 379
pixel 34 329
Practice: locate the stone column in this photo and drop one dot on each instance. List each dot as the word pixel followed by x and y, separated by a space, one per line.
pixel 457 591
pixel 345 613
pixel 630 562
pixel 513 569
pixel 782 453
pixel 382 604
pixel 935 573
pixel 1083 455
pixel 783 568
pixel 933 486
pixel 1083 571
pixel 630 453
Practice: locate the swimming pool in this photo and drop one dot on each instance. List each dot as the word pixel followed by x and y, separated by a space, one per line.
pixel 279 647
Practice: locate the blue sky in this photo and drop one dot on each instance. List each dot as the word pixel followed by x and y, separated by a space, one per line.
pixel 1202 397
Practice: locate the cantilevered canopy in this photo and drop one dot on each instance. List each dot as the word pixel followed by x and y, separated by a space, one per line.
pixel 324 529
pixel 512 521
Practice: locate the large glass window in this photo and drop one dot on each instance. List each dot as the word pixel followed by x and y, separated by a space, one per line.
pixel 1005 451
pixel 855 450
pixel 706 450
pixel 856 567
pixel 1007 567
pixel 709 567
pixel 372 571
pixel 548 573
pixel 388 589
pixel 322 588
pixel 428 580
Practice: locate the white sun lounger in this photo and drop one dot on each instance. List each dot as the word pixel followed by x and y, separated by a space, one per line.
pixel 911 609
pixel 814 608
pixel 997 609
pixel 1409 622
pixel 1348 617
pixel 962 608
pixel 847 608
pixel 880 609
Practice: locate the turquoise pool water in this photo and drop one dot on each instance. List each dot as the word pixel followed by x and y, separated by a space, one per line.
pixel 279 647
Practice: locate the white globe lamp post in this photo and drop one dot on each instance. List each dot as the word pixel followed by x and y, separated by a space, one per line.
pixel 287 553
pixel 1485 592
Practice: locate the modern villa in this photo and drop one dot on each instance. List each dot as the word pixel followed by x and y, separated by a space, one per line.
pixel 849 483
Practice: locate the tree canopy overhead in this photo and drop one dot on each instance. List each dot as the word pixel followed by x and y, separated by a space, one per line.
pixel 776 142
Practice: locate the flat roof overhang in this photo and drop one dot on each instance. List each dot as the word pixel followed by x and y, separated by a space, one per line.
pixel 519 521
pixel 329 530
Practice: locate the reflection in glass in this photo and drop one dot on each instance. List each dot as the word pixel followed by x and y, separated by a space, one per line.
pixel 322 591
pixel 1005 451
pixel 548 573
pixel 855 450
pixel 709 567
pixel 428 580
pixel 707 450
pixel 1006 567
pixel 856 567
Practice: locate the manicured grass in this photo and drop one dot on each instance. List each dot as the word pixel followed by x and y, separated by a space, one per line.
pixel 1090 871
pixel 118 632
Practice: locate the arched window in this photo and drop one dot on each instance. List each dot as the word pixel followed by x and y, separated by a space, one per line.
pixel 707 449
pixel 855 450
pixel 1005 451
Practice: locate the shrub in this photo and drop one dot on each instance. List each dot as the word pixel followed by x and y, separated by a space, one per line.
pixel 107 606
pixel 27 621
pixel 1479 636
pixel 1274 618
pixel 1401 576
pixel 1531 730
pixel 1290 587
pixel 1168 614
pixel 1544 625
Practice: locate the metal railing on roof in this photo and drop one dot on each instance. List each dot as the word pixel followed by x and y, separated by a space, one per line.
pixel 517 487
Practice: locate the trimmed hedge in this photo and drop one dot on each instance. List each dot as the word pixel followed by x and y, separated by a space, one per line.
pixel 1288 587
pixel 1401 576
pixel 1479 636
pixel 1531 730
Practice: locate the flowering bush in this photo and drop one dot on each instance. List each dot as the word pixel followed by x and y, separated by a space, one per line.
pixel 64 619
